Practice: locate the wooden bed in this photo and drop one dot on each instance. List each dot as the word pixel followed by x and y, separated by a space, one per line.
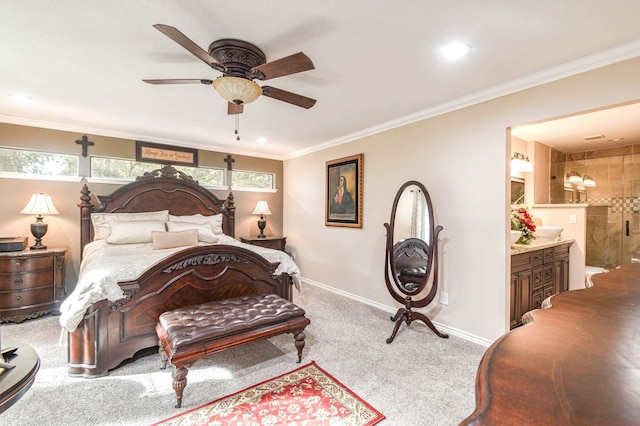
pixel 111 332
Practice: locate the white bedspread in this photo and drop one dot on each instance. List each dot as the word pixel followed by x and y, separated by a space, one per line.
pixel 103 265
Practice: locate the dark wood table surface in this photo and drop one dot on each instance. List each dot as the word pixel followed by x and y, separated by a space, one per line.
pixel 574 363
pixel 16 381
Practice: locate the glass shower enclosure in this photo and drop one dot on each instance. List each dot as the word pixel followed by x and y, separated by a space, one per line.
pixel 613 212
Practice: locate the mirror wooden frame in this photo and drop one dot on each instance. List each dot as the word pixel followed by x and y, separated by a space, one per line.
pixel 411 297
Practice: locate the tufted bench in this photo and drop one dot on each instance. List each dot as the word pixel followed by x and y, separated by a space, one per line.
pixel 193 332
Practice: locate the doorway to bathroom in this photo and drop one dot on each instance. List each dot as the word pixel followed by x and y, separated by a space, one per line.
pixel 594 160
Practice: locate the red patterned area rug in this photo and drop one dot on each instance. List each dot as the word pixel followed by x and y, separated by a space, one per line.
pixel 307 396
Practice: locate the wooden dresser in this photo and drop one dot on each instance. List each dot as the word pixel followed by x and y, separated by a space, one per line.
pixel 577 362
pixel 31 283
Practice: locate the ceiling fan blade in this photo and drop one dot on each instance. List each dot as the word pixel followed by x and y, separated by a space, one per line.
pixel 292 98
pixel 184 41
pixel 295 63
pixel 233 109
pixel 179 81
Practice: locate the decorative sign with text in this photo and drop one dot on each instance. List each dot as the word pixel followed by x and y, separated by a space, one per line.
pixel 166 154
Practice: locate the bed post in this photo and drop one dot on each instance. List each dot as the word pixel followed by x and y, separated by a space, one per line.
pixel 231 217
pixel 85 217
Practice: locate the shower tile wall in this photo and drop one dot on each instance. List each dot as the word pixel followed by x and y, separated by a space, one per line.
pixel 612 202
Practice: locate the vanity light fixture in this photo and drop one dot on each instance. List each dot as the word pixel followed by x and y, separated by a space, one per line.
pixel 521 163
pixel 574 177
pixel 588 181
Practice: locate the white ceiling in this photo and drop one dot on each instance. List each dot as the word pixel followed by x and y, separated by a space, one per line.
pixel 377 64
pixel 590 130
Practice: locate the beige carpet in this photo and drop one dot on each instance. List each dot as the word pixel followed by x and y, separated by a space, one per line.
pixel 419 379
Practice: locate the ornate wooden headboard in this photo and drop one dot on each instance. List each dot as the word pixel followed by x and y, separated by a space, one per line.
pixel 162 189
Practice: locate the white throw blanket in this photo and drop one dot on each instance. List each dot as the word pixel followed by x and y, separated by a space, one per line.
pixel 104 265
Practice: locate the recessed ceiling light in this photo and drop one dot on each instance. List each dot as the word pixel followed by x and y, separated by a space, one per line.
pixel 455 50
pixel 21 98
pixel 261 141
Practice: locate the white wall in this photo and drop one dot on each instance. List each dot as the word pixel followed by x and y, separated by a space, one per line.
pixel 461 157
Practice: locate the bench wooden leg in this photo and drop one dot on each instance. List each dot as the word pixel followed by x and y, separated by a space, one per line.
pixel 299 336
pixel 179 377
pixel 163 356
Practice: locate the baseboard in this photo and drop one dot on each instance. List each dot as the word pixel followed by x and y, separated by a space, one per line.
pixel 392 310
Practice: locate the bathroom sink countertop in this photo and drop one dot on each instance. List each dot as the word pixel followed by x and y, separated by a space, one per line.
pixel 537 245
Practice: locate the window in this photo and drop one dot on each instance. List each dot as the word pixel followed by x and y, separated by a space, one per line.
pixel 121 169
pixel 252 180
pixel 37 163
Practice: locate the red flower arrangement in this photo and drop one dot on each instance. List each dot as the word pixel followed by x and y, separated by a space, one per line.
pixel 521 221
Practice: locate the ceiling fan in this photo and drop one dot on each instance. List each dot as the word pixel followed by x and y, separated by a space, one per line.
pixel 240 63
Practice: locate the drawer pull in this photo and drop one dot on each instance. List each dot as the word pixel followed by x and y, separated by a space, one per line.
pixel 18 281
pixel 18 297
pixel 17 264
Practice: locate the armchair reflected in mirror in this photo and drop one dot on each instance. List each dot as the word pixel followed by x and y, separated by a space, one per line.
pixel 411 255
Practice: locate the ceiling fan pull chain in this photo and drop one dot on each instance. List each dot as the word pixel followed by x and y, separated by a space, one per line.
pixel 237 127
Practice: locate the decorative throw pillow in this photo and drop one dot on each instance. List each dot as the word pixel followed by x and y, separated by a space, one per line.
pixel 101 221
pixel 205 234
pixel 214 221
pixel 138 231
pixel 171 239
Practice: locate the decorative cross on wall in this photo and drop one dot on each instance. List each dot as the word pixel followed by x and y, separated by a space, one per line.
pixel 229 162
pixel 86 143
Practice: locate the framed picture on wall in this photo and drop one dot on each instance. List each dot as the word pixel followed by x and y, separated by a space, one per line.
pixel 344 191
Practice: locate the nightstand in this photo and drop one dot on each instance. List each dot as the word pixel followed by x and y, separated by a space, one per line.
pixel 31 283
pixel 274 242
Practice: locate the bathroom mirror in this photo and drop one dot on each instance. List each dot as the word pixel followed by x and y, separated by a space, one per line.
pixel 517 190
pixel 411 254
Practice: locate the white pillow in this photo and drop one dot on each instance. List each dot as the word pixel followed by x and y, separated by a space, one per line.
pixel 205 234
pixel 215 221
pixel 165 240
pixel 138 231
pixel 101 221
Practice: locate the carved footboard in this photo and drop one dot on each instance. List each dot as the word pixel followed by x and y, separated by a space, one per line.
pixel 112 332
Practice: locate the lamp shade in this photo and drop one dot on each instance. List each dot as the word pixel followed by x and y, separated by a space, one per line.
pixel 262 208
pixel 40 204
pixel 237 90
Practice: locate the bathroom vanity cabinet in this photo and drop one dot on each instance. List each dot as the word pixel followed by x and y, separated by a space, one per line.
pixel 537 272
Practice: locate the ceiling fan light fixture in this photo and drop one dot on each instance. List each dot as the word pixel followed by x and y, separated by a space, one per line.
pixel 237 90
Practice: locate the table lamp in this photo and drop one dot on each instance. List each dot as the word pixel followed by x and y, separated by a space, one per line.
pixel 38 205
pixel 262 208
